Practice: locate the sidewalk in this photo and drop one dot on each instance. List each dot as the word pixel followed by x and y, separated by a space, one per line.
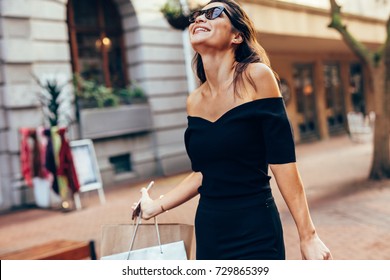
pixel 352 215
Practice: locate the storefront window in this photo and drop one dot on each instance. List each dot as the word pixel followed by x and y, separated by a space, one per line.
pixel 356 88
pixel 304 88
pixel 334 98
pixel 96 41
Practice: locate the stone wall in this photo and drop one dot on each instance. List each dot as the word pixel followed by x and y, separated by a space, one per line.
pixel 156 60
pixel 34 40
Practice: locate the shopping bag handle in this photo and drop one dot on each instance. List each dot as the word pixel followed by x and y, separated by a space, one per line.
pixel 136 230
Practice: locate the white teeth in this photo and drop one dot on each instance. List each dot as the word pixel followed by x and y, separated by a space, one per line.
pixel 200 29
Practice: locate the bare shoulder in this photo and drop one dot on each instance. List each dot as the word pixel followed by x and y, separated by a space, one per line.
pixel 260 70
pixel 264 79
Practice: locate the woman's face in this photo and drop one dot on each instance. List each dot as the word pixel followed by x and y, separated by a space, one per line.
pixel 216 33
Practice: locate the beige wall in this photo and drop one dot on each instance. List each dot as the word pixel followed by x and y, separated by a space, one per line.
pixel 278 17
pixel 367 8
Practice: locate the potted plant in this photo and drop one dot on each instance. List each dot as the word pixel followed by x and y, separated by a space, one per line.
pixel 90 94
pixel 100 115
pixel 132 94
pixel 174 14
pixel 55 106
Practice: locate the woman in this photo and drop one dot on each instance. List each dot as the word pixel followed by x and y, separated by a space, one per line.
pixel 237 127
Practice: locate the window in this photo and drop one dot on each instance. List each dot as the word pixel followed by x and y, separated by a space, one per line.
pixel 357 87
pixel 306 101
pixel 96 40
pixel 121 163
pixel 334 98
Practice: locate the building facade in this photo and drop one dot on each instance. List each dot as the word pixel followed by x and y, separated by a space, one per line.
pixel 121 41
pixel 321 79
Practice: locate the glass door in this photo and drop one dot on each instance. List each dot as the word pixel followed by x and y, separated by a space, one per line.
pixel 334 98
pixel 306 103
pixel 356 87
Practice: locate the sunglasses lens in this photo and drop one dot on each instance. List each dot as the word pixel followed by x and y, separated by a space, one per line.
pixel 214 13
pixel 211 13
pixel 194 15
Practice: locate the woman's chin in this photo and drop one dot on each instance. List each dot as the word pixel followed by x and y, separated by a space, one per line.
pixel 199 42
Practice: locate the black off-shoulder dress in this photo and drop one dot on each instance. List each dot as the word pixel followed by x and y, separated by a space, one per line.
pixel 237 217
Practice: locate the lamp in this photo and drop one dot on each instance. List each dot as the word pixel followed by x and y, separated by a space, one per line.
pixel 105 41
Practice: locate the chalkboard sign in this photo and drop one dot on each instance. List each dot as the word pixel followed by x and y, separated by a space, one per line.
pixel 87 169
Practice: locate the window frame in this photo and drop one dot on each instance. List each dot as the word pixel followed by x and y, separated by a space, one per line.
pixel 101 29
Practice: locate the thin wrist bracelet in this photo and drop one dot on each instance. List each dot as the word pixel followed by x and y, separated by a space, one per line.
pixel 161 206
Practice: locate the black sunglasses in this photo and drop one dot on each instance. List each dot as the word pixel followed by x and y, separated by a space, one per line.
pixel 210 14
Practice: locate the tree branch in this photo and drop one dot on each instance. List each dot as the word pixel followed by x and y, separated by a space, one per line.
pixel 384 50
pixel 357 47
pixel 386 47
pixel 386 55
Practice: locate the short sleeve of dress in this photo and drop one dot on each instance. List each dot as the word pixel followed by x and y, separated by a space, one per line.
pixel 278 134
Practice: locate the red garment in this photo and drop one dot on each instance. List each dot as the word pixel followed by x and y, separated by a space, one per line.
pixel 25 156
pixel 66 166
pixel 36 156
pixel 42 140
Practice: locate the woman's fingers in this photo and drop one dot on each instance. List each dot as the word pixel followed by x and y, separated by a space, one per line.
pixel 134 205
pixel 145 200
pixel 136 211
pixel 144 192
pixel 328 256
pixel 137 205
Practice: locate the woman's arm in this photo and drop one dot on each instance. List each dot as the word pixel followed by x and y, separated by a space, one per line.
pixel 291 187
pixel 184 191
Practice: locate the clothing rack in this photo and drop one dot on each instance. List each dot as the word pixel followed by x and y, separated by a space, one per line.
pixel 46 158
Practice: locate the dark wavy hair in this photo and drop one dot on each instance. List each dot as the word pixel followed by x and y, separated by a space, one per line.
pixel 249 51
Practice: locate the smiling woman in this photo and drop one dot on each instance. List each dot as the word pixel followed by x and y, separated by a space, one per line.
pixel 237 129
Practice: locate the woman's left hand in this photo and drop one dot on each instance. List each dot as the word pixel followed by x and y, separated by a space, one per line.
pixel 314 249
pixel 147 206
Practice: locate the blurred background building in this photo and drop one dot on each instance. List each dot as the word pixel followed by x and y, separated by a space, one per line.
pixel 122 42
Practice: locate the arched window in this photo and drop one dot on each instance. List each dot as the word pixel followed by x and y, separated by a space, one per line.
pixel 96 41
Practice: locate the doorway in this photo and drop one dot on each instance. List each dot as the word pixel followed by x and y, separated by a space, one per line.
pixel 334 99
pixel 306 102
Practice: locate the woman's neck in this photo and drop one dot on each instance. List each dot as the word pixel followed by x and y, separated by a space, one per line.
pixel 219 70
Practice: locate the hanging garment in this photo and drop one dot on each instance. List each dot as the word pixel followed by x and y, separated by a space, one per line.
pixel 36 155
pixel 62 180
pixel 66 166
pixel 50 162
pixel 42 144
pixel 25 156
